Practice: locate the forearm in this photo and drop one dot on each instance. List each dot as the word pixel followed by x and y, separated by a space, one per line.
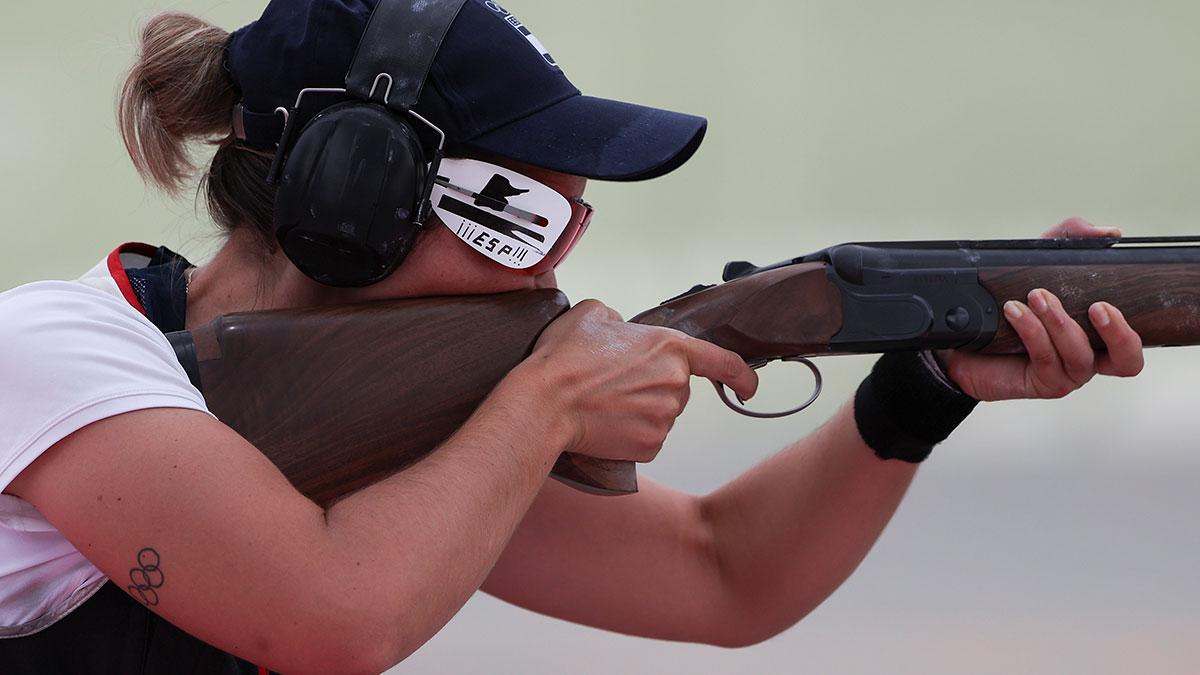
pixel 731 568
pixel 421 542
pixel 787 533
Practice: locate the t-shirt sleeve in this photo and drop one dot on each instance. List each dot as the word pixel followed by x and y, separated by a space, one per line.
pixel 71 355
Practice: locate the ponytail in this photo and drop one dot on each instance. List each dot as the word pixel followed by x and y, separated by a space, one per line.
pixel 178 93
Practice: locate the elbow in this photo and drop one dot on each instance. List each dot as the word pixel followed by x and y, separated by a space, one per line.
pixel 742 635
pixel 362 661
pixel 359 657
pixel 744 615
pixel 371 659
pixel 741 629
pixel 372 644
pixel 349 657
pixel 340 642
pixel 747 618
pixel 746 608
pixel 734 619
pixel 738 637
pixel 736 642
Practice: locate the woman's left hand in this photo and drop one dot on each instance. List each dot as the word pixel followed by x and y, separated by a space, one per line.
pixel 1060 358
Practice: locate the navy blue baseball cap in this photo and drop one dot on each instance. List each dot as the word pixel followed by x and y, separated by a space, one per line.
pixel 493 87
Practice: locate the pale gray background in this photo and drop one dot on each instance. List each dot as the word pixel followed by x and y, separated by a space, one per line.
pixel 1051 537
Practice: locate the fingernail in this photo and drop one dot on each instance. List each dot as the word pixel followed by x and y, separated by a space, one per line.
pixel 1037 300
pixel 1012 310
pixel 1100 315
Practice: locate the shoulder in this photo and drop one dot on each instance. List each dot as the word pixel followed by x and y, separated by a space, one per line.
pixel 64 324
pixel 70 355
pixel 56 304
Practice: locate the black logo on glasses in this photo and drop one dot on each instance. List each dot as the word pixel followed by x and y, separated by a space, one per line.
pixel 496 193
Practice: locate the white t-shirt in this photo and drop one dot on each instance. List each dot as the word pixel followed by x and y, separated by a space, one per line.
pixel 71 353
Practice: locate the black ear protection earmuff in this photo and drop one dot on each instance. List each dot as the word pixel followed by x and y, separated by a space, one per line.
pixel 353 189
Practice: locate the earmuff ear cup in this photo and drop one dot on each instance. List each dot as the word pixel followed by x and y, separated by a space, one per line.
pixel 349 193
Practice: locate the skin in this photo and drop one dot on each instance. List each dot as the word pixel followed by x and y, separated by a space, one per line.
pixel 359 586
pixel 738 566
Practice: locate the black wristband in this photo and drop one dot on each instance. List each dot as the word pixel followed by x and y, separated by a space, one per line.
pixel 903 409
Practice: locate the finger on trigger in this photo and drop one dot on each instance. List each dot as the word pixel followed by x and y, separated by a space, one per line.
pixel 721 365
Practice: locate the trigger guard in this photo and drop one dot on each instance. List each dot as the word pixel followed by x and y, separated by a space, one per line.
pixel 742 410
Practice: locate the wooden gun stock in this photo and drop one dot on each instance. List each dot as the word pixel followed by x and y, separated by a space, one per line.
pixel 341 397
pixel 1161 302
pixel 790 311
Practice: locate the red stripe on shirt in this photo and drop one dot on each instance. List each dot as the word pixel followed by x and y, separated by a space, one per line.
pixel 117 270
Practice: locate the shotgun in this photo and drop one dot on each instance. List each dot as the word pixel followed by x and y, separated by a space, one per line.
pixel 340 397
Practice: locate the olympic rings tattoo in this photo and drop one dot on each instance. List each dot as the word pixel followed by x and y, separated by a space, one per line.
pixel 146 577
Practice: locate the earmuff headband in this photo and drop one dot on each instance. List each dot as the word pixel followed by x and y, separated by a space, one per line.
pixel 401 41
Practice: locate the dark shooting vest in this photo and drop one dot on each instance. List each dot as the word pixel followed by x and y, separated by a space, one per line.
pixel 111 633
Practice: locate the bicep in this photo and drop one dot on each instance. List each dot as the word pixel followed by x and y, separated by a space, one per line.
pixel 187 517
pixel 641 564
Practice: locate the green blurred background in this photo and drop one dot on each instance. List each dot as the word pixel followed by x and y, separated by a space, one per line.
pixel 1054 537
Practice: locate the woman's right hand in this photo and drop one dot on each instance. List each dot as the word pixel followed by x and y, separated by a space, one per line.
pixel 619 385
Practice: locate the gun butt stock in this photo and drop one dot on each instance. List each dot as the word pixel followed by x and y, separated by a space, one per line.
pixel 341 397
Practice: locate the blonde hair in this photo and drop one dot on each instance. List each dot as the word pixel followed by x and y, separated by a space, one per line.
pixel 177 94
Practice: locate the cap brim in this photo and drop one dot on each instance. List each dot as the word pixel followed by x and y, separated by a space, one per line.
pixel 598 138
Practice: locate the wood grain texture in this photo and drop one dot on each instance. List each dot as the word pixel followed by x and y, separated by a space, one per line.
pixel 1161 302
pixel 791 311
pixel 342 397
